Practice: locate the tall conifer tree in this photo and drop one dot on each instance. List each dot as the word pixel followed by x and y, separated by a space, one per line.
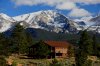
pixel 19 39
pixel 85 49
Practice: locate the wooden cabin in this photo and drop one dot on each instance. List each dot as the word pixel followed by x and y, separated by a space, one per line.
pixel 59 49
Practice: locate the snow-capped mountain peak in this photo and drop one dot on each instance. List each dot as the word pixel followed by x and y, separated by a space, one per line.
pixel 6 17
pixel 28 17
pixel 49 20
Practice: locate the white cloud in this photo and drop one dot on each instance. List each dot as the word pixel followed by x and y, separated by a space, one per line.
pixel 27 2
pixel 86 1
pixel 79 12
pixel 36 2
pixel 66 5
pixel 53 2
pixel 60 4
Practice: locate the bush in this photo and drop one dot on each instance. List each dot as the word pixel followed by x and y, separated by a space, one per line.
pixel 88 63
pixel 55 62
pixel 14 64
pixel 2 62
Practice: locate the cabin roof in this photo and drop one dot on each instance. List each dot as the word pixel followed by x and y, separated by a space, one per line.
pixel 57 43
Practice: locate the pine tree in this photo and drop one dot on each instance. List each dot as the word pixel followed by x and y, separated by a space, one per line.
pixel 2 40
pixel 19 39
pixel 4 44
pixel 94 44
pixel 85 43
pixel 85 49
pixel 30 39
pixel 80 58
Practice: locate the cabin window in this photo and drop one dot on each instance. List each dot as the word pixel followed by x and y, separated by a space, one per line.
pixel 58 54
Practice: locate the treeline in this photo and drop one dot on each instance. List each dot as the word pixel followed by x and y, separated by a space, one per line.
pixel 17 42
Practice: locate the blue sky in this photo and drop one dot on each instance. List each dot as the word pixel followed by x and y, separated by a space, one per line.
pixel 70 8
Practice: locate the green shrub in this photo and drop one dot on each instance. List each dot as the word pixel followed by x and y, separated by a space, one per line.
pixel 2 62
pixel 14 64
pixel 88 63
pixel 55 62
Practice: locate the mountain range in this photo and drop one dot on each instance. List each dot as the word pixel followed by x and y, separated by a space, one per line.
pixel 49 20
